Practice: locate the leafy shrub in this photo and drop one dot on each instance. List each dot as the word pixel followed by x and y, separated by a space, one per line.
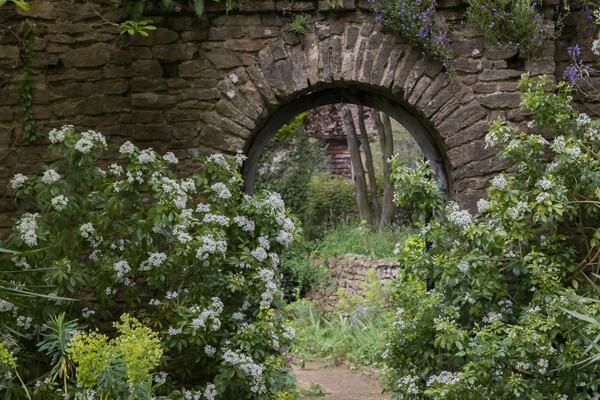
pixel 288 163
pixel 301 273
pixel 194 259
pixel 330 201
pixel 509 22
pixel 481 301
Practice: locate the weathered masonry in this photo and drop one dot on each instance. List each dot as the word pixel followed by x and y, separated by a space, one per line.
pixel 228 82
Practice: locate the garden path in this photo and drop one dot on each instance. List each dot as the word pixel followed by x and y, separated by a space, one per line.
pixel 340 383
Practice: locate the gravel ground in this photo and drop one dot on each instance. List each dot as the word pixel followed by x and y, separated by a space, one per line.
pixel 340 383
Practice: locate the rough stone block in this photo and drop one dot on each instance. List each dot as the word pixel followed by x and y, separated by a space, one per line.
pixel 245 44
pixel 152 100
pixel 501 100
pixel 94 55
pixel 499 74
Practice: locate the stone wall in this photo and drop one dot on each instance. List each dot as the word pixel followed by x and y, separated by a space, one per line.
pixel 227 82
pixel 349 272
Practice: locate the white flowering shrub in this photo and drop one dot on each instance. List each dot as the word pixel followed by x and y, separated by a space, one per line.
pixel 484 301
pixel 192 258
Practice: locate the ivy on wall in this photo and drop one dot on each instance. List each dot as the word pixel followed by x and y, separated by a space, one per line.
pixel 29 129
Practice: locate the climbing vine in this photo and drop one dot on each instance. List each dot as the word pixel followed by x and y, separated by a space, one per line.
pixel 29 129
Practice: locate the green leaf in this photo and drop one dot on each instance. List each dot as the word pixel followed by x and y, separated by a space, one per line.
pixel 21 4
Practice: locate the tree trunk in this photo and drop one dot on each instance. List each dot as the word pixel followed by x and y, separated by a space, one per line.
pixel 384 128
pixel 373 198
pixel 357 167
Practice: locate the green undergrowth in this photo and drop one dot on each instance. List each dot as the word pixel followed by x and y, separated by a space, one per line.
pixel 353 333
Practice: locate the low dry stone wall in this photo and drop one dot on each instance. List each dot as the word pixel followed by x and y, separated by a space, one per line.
pixel 349 272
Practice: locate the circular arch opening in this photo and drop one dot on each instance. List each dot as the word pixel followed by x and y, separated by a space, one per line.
pixel 419 128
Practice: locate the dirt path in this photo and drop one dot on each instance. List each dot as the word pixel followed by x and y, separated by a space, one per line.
pixel 339 382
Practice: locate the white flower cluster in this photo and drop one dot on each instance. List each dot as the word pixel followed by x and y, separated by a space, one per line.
pixel 585 123
pixel 171 295
pixel 561 146
pixel 463 267
pixel 115 169
pixel 445 378
pixel 517 211
pixel 27 227
pixel 210 392
pixel 127 148
pixel 211 314
pixel 146 156
pixel 170 158
pixel 218 159
pixel 289 333
pixel 177 190
pixel 483 205
pixel 154 260
pixel 491 317
pixel 21 262
pixel 237 316
pixel 216 218
pixel 203 208
pixel 88 138
pixel 209 350
pixel 84 146
pixel 210 246
pixel 6 306
pixel 271 288
pixel 88 232
pixel 138 177
pixel 174 331
pixel 499 181
pixel 544 183
pixel 494 137
pixel 259 253
pixel 190 395
pixel 596 47
pixel 506 306
pixel 245 223
pixel 59 202
pixel 87 313
pixel 246 364
pixel 59 135
pixel 408 384
pixel 122 268
pixel 17 181
pixel 460 217
pixel 50 176
pixel 221 190
pixel 239 158
pixel 542 365
pixel 285 238
pixel 160 377
pixel 24 322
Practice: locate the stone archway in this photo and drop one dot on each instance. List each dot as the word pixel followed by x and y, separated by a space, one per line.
pixel 421 131
pixel 356 63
